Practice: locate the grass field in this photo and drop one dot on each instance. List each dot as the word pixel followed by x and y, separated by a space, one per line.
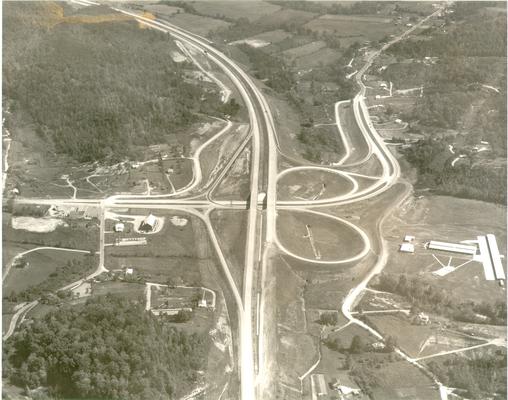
pixel 80 234
pixel 356 28
pixel 251 10
pixel 353 132
pixel 401 380
pixel 275 36
pixel 163 10
pixel 304 50
pixel 132 291
pixel 287 15
pixel 448 219
pixel 322 57
pixel 312 184
pixel 42 264
pixel 333 239
pixel 235 184
pixel 230 228
pixel 197 24
pixel 409 337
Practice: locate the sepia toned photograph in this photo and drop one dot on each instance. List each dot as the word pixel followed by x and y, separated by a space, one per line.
pixel 254 200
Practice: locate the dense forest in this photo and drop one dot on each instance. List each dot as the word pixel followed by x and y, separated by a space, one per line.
pixel 109 348
pixel 432 159
pixel 423 295
pixel 95 89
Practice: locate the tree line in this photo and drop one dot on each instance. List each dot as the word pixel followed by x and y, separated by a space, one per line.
pixel 424 295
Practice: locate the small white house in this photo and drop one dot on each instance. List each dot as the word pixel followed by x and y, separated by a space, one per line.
pixel 202 303
pixel 119 227
pixel 407 248
pixel 423 318
pixel 129 271
pixel 409 238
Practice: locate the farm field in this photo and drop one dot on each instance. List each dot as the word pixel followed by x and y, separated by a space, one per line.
pixel 272 37
pixel 304 50
pixel 287 15
pixel 197 24
pixel 163 10
pixel 333 240
pixel 319 58
pixel 353 28
pixel 252 10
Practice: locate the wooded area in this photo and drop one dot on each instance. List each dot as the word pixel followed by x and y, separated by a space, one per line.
pixel 109 348
pixel 94 90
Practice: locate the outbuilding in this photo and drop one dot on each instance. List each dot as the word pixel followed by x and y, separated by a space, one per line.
pixel 119 227
pixel 148 223
pixel 407 248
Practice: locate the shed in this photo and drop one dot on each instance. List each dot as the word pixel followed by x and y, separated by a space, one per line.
pixel 407 248
pixel 119 227
pixel 409 238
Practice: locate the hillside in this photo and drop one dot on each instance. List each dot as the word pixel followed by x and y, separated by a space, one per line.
pixel 102 84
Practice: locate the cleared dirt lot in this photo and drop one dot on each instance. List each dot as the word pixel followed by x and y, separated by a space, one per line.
pixel 312 184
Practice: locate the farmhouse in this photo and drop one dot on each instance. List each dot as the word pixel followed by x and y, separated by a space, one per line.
pixel 119 227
